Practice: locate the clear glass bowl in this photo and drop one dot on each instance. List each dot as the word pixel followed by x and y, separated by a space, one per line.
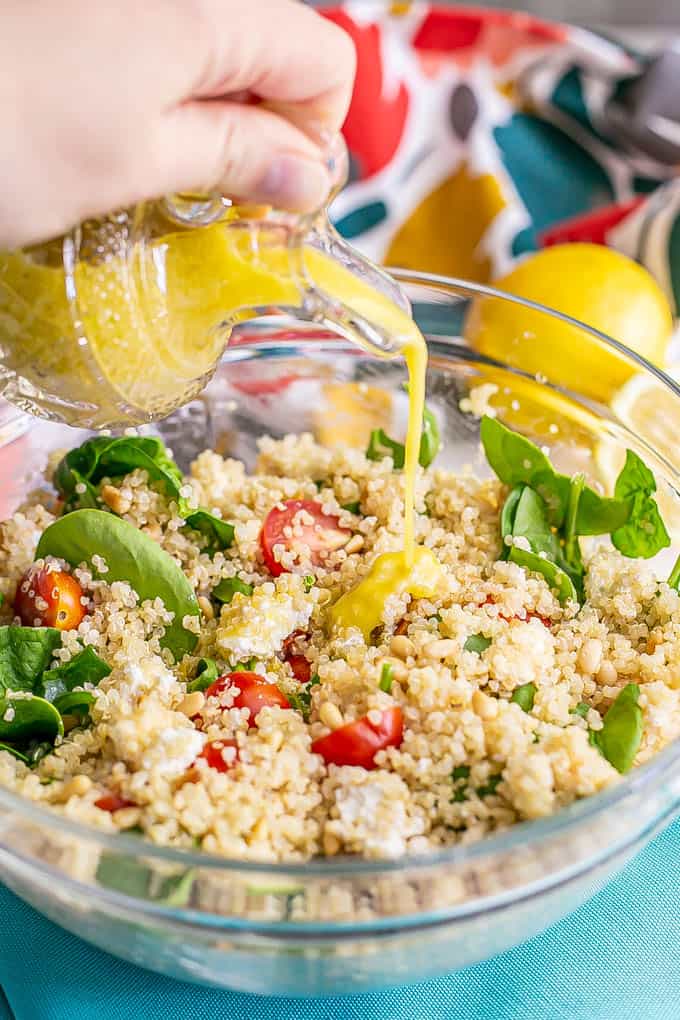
pixel 343 924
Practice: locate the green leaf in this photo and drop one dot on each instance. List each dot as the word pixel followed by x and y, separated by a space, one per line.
pixel 15 753
pixel 460 772
pixel 225 590
pixel 489 788
pixel 124 874
pixel 220 534
pixel 352 508
pixel 84 668
pixel 581 709
pixel 33 719
pixel 308 580
pixel 674 577
pixel 644 534
pixel 598 515
pixel 556 578
pixel 207 673
pixel 508 517
pixel 386 678
pixel 459 777
pixel 516 460
pixel 476 643
pixel 621 733
pixel 524 696
pixel 176 890
pixel 130 556
pixel 247 666
pixel 380 445
pixel 109 457
pixel 74 703
pixel 430 440
pixel 634 477
pixel 25 653
pixel 531 522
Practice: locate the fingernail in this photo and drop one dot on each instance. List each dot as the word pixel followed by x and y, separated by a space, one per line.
pixel 295 183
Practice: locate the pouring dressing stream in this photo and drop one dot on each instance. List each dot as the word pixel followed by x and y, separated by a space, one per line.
pixel 125 319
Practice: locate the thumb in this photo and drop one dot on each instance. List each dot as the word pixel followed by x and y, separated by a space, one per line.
pixel 247 153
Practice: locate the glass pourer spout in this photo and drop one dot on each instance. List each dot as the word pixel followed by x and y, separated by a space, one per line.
pixel 125 319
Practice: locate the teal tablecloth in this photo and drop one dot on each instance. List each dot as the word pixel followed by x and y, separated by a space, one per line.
pixel 617 958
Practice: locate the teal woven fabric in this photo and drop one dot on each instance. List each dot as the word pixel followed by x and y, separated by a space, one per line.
pixel 616 958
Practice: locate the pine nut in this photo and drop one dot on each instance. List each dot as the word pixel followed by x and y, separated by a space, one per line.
pixel 324 597
pixel 402 647
pixel 191 704
pixel 606 674
pixel 330 715
pixel 78 786
pixel 331 844
pixel 440 649
pixel 113 498
pixel 206 607
pixel 590 656
pixel 127 817
pixel 484 706
pixel 355 543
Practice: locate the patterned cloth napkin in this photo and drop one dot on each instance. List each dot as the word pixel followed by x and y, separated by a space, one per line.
pixel 479 135
pixel 475 136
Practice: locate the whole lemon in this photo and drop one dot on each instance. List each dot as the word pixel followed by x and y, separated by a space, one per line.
pixel 590 283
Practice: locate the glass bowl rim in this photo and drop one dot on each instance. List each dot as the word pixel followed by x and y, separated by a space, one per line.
pixel 526 833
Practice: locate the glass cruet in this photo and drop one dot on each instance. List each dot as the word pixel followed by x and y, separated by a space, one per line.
pixel 124 319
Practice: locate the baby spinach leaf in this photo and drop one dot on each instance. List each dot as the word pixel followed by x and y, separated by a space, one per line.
pixel 14 752
pixel 380 445
pixel 430 440
pixel 459 777
pixel 531 522
pixel 599 515
pixel 25 653
pixel 220 534
pixel 74 703
pixel 309 581
pixel 460 772
pixel 674 577
pixel 508 517
pixel 124 874
pixel 207 673
pixel 516 460
pixel 108 457
pixel 176 890
pixel 644 534
pixel 476 643
pixel 556 578
pixel 581 709
pixel 225 589
pixel 130 556
pixel 621 733
pixel 386 678
pixel 524 696
pixel 84 668
pixel 32 719
pixel 352 508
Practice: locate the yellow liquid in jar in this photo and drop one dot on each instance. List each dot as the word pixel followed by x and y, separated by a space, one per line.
pixel 158 321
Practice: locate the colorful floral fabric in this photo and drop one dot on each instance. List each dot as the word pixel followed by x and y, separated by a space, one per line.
pixel 476 136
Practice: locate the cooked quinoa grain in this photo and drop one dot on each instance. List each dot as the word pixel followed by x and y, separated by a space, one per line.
pixel 236 764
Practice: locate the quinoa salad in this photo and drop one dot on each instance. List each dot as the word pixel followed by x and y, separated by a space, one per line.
pixel 174 661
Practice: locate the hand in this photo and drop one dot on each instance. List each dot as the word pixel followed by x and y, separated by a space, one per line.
pixel 104 104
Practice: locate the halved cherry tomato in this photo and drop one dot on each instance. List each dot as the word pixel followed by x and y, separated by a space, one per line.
pixel 357 743
pixel 49 598
pixel 113 802
pixel 316 540
pixel 254 693
pixel 212 754
pixel 545 620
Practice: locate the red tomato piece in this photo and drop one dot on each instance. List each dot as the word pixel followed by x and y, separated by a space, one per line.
pixel 545 620
pixel 254 693
pixel 212 753
pixel 322 536
pixel 302 671
pixel 113 802
pixel 49 598
pixel 357 743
